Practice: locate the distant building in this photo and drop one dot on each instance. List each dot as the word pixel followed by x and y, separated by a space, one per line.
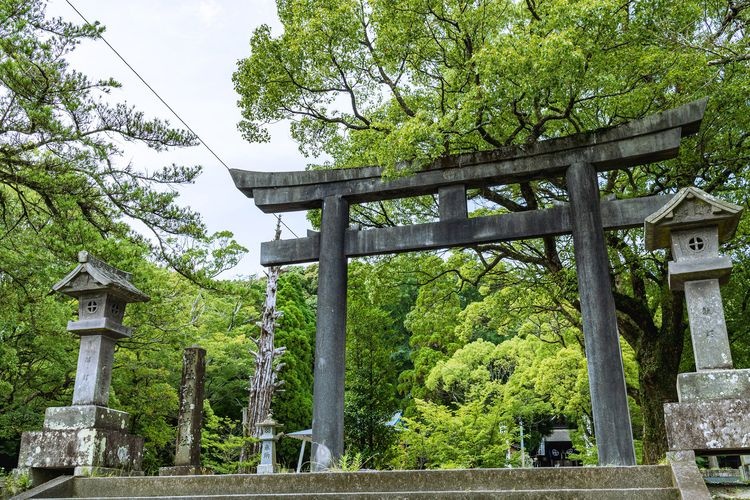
pixel 556 448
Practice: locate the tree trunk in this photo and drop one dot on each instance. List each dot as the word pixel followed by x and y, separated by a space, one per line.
pixel 658 363
pixel 264 381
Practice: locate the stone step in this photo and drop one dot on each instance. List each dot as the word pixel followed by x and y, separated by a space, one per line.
pixel 551 479
pixel 572 494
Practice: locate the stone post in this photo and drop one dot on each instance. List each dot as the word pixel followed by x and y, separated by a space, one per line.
pixel 609 401
pixel 330 337
pixel 94 373
pixel 714 401
pixel 89 438
pixel 268 438
pixel 452 203
pixel 187 457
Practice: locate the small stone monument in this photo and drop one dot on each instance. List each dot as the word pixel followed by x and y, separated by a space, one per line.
pixel 714 402
pixel 187 457
pixel 268 440
pixel 89 438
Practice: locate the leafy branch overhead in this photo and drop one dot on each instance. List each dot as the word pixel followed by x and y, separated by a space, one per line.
pixel 382 82
pixel 59 157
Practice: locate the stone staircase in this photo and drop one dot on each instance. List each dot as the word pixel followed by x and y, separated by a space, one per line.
pixel 600 483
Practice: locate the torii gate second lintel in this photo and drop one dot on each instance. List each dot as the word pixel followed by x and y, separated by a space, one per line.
pixel 578 157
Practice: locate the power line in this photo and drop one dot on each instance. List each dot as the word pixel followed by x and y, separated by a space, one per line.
pixel 165 104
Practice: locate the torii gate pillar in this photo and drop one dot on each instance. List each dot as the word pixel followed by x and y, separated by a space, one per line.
pixel 609 399
pixel 330 337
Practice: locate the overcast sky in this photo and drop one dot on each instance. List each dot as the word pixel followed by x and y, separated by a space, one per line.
pixel 187 51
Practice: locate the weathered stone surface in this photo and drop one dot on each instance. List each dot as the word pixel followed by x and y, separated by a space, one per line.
pixel 57 487
pixel 81 447
pixel 639 142
pixel 708 329
pixel 622 154
pixel 100 326
pixel 68 418
pixel 719 268
pixel 696 243
pixel 268 438
pixel 745 467
pixel 94 372
pixel 89 471
pixel 689 481
pixel 330 336
pixel 687 118
pixel 692 209
pixel 713 384
pixel 93 276
pixel 188 451
pixel 708 426
pixel 681 456
pixel 646 482
pixel 452 203
pixel 686 476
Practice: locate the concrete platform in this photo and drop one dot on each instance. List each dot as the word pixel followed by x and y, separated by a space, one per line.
pixel 601 483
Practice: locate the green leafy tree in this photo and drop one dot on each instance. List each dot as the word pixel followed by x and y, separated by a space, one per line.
pixel 64 188
pixel 222 442
pixel 432 322
pixel 371 398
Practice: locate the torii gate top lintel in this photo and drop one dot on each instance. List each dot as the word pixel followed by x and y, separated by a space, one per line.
pixel 647 140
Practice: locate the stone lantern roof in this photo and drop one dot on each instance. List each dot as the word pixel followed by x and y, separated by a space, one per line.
pixel 690 208
pixel 94 275
pixel 269 422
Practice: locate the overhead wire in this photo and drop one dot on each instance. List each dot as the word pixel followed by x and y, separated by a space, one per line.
pixel 190 129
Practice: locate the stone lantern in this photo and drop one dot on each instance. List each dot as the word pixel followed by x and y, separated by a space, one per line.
pixel 102 292
pixel 268 438
pixel 88 437
pixel 693 224
pixel 711 416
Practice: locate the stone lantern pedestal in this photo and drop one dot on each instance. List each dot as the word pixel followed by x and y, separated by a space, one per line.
pixel 711 416
pixel 88 438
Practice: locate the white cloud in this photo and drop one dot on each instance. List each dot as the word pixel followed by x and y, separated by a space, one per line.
pixel 208 11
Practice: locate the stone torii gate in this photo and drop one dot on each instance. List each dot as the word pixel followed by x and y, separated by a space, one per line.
pixel 579 158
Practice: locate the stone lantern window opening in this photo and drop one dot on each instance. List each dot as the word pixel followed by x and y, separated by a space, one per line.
pixel 106 305
pixel 90 306
pixel 116 309
pixel 696 244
